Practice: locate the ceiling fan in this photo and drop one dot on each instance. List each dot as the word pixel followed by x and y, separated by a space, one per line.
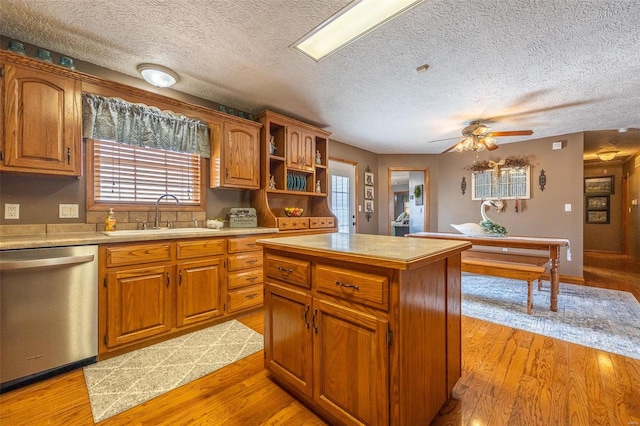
pixel 478 137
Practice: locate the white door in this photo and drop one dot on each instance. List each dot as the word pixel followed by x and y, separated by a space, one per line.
pixel 342 194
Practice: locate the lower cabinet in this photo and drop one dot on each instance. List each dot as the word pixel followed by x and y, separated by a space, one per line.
pixel 198 291
pixel 152 291
pixel 335 355
pixel 138 304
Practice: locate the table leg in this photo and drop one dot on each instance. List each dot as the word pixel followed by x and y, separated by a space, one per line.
pixel 554 258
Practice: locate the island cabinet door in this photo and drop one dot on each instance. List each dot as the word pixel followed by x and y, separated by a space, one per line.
pixel 351 359
pixel 138 304
pixel 287 336
pixel 198 291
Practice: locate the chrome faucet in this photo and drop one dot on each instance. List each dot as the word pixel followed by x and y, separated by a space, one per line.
pixel 156 224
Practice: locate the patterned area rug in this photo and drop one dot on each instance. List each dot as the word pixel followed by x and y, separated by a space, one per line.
pixel 608 320
pixel 122 382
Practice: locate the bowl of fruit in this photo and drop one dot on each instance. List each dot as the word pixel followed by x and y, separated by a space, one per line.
pixel 293 211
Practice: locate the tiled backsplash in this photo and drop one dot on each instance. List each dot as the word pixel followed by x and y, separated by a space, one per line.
pixel 95 223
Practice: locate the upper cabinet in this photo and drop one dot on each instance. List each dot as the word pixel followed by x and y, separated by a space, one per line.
pixel 42 115
pixel 293 174
pixel 235 155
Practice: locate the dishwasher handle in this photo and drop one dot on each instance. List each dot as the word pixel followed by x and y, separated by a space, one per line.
pixel 16 265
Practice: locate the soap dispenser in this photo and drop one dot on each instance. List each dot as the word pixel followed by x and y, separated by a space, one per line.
pixel 110 221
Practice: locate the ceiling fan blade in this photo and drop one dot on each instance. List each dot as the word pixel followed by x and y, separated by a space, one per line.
pixel 513 133
pixel 446 139
pixel 449 149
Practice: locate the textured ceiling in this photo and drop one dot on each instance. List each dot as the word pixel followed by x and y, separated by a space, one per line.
pixel 553 66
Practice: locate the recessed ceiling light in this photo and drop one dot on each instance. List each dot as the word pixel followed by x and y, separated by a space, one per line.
pixel 157 75
pixel 349 24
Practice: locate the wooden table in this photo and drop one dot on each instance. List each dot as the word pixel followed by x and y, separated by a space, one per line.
pixel 552 245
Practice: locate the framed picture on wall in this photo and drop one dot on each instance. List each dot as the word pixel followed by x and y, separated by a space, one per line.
pixel 368 192
pixel 599 202
pixel 368 206
pixel 598 185
pixel 368 178
pixel 598 216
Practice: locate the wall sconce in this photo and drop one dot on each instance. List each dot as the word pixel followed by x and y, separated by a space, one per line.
pixel 607 155
pixel 157 75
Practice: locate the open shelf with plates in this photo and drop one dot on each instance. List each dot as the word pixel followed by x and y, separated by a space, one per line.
pixel 294 174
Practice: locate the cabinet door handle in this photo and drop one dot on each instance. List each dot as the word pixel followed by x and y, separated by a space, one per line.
pixel 288 271
pixel 68 155
pixel 345 285
pixel 180 278
pixel 168 280
pixel 306 316
pixel 313 319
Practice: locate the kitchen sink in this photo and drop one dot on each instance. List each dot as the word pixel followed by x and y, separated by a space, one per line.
pixel 163 231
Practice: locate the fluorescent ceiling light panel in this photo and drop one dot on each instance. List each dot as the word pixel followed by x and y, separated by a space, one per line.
pixel 351 23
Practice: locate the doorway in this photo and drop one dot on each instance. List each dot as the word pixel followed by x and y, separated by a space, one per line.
pixel 342 194
pixel 408 200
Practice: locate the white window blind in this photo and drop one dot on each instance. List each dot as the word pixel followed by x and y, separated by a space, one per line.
pixel 126 174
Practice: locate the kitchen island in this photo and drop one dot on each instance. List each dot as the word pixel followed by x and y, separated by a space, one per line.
pixel 364 329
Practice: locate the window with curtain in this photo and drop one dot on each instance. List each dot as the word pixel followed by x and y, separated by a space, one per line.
pixel 125 174
pixel 138 153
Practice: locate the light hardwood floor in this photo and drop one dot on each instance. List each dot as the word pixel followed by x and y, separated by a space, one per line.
pixel 510 377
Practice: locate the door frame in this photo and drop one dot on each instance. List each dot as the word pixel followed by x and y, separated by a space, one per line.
pixel 426 190
pixel 355 193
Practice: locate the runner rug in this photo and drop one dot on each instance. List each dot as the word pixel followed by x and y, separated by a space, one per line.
pixel 122 382
pixel 608 320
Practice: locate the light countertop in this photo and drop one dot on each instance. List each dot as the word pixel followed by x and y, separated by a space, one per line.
pixel 381 250
pixel 86 238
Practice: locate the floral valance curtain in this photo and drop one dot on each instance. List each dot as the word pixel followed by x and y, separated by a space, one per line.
pixel 140 125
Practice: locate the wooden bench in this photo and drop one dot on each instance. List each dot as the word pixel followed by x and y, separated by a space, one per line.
pixel 514 266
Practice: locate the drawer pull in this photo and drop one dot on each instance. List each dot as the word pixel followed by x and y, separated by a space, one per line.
pixel 252 296
pixel 345 285
pixel 251 245
pixel 288 271
pixel 252 278
pixel 252 261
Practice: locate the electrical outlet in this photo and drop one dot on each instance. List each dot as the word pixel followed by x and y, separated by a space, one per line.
pixel 12 211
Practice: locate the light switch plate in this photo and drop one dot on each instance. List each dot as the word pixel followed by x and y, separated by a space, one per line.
pixel 12 211
pixel 67 211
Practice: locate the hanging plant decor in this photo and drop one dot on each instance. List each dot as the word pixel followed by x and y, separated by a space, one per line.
pixel 511 162
pixel 417 191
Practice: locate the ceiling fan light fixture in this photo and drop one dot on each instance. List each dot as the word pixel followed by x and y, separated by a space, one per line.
pixel 157 75
pixel 607 155
pixel 352 22
pixel 489 140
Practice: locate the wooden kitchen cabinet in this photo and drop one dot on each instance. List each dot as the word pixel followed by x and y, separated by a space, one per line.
pixel 199 291
pixel 363 337
pixel 42 113
pixel 155 290
pixel 235 155
pixel 288 152
pixel 138 304
pixel 300 149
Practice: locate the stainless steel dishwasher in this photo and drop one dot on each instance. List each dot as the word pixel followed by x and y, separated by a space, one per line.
pixel 48 312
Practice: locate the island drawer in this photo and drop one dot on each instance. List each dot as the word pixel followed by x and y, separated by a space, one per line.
pixel 292 271
pixel 244 260
pixel 362 287
pixel 138 253
pixel 244 298
pixel 244 278
pixel 239 244
pixel 200 248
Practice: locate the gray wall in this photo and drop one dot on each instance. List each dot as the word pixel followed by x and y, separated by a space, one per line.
pixel 606 237
pixel 542 215
pixel 632 175
pixel 362 158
